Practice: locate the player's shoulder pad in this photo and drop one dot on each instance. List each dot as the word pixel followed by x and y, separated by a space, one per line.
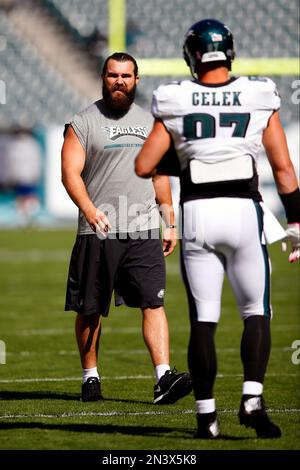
pixel 167 90
pixel 167 100
pixel 266 91
pixel 262 84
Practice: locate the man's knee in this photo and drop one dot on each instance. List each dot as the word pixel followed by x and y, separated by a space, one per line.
pixel 92 320
pixel 158 311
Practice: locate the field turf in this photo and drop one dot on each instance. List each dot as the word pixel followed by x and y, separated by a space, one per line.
pixel 41 380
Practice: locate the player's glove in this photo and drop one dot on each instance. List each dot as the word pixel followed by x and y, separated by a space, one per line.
pixel 293 235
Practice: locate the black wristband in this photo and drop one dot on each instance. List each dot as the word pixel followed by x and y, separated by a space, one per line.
pixel 291 204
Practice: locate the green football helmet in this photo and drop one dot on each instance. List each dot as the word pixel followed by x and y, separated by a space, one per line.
pixel 208 41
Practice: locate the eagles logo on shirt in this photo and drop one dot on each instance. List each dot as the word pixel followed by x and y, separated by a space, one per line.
pixel 115 132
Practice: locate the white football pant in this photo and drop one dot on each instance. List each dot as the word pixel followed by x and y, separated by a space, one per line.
pixel 225 235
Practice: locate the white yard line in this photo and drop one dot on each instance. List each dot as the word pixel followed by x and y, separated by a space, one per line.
pixel 34 256
pixel 125 330
pixel 92 414
pixel 121 377
pixel 131 352
pixel 70 379
pixel 62 331
pixel 43 332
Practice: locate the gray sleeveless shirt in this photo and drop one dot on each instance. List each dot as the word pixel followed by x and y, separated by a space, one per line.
pixel 111 143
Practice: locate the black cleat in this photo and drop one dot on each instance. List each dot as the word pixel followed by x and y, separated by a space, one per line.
pixel 253 414
pixel 171 387
pixel 208 426
pixel 91 390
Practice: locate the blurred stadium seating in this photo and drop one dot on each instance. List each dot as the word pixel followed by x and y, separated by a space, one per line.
pixel 81 19
pixel 51 50
pixel 157 30
pixel 40 91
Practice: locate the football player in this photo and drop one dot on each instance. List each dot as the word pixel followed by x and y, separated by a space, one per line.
pixel 217 124
pixel 118 246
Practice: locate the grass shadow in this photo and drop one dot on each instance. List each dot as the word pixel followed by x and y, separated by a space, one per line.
pixel 152 431
pixel 47 395
pixel 37 395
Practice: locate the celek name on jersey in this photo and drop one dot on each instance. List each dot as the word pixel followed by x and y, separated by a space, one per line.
pixel 115 132
pixel 216 98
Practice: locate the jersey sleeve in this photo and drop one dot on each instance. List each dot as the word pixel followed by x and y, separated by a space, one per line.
pixel 165 103
pixel 80 127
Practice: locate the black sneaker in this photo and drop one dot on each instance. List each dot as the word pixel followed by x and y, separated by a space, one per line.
pixel 171 387
pixel 253 414
pixel 91 390
pixel 208 426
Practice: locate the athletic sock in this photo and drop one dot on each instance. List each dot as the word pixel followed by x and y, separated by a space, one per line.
pixel 160 370
pixel 205 406
pixel 252 388
pixel 87 373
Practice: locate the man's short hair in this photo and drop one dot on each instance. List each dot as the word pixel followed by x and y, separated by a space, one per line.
pixel 121 57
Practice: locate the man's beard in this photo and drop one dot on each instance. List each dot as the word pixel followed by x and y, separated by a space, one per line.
pixel 122 102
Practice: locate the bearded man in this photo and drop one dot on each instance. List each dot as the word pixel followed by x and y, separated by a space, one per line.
pixel 118 245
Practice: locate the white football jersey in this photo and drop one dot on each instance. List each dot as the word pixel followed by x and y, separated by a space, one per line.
pixel 217 124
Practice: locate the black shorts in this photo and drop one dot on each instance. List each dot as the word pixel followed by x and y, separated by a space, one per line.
pixel 135 268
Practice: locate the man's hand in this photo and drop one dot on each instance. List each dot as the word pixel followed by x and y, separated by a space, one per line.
pixel 293 235
pixel 98 222
pixel 169 240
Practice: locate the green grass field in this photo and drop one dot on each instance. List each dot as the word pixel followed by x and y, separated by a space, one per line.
pixel 41 380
